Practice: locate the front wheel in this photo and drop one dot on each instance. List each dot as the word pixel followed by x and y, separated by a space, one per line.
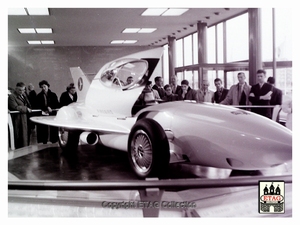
pixel 148 149
pixel 68 139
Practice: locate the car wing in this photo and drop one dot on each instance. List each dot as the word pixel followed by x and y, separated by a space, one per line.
pixel 101 125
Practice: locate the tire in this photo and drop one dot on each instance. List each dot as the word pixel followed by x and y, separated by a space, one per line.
pixel 68 139
pixel 148 149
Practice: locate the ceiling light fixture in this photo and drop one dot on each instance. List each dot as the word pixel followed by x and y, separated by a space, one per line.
pixel 35 30
pixel 27 30
pixel 34 42
pixel 174 12
pixel 17 12
pixel 28 11
pixel 44 30
pixel 139 30
pixel 164 12
pixel 147 30
pixel 154 12
pixel 38 11
pixel 123 41
pixel 43 42
pixel 47 42
pixel 131 30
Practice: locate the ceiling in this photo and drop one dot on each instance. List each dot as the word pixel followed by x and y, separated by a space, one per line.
pixel 99 26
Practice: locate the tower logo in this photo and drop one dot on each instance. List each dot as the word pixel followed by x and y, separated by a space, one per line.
pixel 271 197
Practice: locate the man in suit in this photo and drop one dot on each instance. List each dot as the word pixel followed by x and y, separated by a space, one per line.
pixel 187 93
pixel 159 86
pixel 276 97
pixel 260 95
pixel 174 85
pixel 17 101
pixel 238 93
pixel 221 92
pixel 204 94
pixel 170 96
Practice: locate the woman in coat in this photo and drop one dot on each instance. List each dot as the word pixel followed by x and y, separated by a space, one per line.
pixel 47 101
pixel 68 96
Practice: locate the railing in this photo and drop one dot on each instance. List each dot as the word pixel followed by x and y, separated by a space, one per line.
pixel 11 127
pixel 149 190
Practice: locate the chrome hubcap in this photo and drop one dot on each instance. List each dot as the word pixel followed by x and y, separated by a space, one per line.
pixel 63 136
pixel 141 151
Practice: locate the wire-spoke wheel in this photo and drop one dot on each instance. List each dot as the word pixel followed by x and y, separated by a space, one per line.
pixel 141 153
pixel 148 149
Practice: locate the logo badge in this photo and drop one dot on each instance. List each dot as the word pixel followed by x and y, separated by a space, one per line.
pixel 271 197
pixel 80 84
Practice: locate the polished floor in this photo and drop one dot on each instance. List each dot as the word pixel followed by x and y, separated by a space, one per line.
pixel 90 163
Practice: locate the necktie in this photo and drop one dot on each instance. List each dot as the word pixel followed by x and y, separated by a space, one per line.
pixel 239 92
pixel 22 98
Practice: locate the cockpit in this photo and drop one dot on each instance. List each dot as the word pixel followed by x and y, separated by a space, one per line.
pixel 125 73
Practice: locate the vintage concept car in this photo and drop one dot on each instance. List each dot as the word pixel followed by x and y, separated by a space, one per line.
pixel 199 133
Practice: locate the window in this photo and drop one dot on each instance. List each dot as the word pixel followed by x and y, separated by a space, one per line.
pixel 179 53
pixel 220 39
pixel 211 45
pixel 166 73
pixel 188 50
pixel 283 34
pixel 266 34
pixel 195 48
pixel 237 38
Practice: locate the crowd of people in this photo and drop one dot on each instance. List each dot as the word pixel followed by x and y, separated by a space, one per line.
pixel 27 101
pixel 24 101
pixel 264 93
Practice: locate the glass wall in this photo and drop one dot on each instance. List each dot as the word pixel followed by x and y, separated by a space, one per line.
pixel 220 43
pixel 166 64
pixel 188 50
pixel 282 48
pixel 211 45
pixel 195 48
pixel 228 43
pixel 237 41
pixel 179 53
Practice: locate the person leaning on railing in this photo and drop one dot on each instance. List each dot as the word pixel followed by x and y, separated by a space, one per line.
pixel 17 101
pixel 47 101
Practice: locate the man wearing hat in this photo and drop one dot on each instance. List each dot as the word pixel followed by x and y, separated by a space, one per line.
pixel 186 92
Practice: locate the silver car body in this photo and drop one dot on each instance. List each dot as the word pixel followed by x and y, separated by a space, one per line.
pixel 200 133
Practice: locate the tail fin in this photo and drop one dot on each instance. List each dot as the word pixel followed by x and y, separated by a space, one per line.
pixel 82 82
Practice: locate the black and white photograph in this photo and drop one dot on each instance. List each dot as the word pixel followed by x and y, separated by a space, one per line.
pixel 150 111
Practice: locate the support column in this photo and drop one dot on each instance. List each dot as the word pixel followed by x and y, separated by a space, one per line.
pixel 202 50
pixel 255 56
pixel 172 56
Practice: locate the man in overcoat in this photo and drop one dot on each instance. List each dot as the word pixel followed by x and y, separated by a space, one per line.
pixel 17 101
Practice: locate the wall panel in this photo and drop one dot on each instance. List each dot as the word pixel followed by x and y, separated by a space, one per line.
pixel 33 64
